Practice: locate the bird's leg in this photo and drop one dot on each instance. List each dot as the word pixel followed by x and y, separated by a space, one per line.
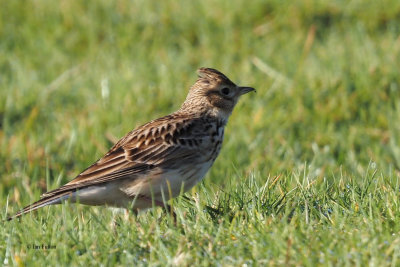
pixel 115 222
pixel 167 208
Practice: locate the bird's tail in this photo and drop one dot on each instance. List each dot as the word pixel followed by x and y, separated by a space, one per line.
pixel 48 200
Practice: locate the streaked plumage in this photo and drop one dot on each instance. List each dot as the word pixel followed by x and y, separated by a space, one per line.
pixel 160 158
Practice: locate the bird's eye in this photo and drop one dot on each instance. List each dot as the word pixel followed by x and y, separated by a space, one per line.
pixel 225 91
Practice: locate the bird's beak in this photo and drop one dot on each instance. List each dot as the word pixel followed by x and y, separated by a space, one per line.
pixel 245 90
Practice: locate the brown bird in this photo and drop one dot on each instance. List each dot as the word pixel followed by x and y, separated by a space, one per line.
pixel 160 159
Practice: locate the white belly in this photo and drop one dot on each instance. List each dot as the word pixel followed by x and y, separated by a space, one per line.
pixel 160 185
pixel 168 183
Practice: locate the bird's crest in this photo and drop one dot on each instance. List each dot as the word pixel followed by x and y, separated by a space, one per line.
pixel 210 74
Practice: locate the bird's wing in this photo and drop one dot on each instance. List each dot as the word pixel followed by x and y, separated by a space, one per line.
pixel 163 143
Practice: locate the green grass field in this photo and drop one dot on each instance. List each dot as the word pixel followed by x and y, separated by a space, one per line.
pixel 309 171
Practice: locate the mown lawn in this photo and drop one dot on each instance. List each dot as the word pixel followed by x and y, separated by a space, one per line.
pixel 309 171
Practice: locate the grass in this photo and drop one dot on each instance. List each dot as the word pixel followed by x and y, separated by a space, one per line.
pixel 309 171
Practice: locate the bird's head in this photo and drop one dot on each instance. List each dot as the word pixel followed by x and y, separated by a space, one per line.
pixel 214 93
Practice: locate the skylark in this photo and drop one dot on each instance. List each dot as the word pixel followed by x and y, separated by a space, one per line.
pixel 160 159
